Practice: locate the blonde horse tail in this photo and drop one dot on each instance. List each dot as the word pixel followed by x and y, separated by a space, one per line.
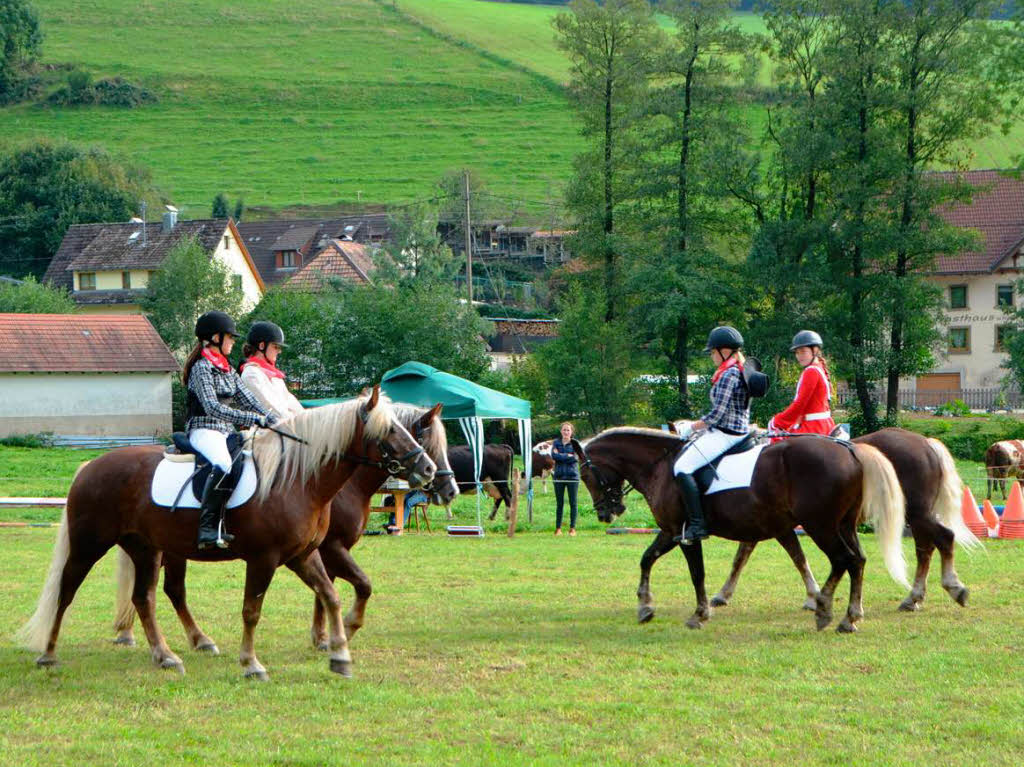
pixel 124 609
pixel 946 509
pixel 883 504
pixel 35 634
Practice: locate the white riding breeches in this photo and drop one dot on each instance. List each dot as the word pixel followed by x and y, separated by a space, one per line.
pixel 704 449
pixel 213 445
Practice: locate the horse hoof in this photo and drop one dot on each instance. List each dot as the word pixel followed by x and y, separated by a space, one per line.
pixel 822 621
pixel 46 661
pixel 908 605
pixel 693 622
pixel 644 614
pixel 343 667
pixel 960 597
pixel 845 627
pixel 810 604
pixel 173 665
pixel 719 601
pixel 257 675
pixel 323 645
pixel 208 647
pixel 125 641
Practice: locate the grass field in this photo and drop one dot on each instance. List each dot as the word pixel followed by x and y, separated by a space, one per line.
pixel 525 651
pixel 324 103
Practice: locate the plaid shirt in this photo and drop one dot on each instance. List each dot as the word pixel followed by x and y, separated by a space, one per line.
pixel 211 387
pixel 730 403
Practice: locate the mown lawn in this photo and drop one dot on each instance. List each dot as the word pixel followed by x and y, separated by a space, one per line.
pixel 525 651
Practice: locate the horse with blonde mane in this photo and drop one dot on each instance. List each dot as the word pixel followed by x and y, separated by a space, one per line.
pixel 350 511
pixel 109 504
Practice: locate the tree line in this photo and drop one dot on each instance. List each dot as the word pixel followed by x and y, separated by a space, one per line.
pixel 706 195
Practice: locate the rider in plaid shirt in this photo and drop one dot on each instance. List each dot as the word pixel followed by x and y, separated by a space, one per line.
pixel 723 427
pixel 213 388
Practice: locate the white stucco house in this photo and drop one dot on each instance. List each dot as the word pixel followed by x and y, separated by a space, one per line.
pixel 979 286
pixel 106 267
pixel 84 374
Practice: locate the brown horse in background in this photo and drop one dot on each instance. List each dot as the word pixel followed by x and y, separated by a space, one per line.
pixel 109 504
pixel 932 488
pixel 350 512
pixel 825 486
pixel 1003 460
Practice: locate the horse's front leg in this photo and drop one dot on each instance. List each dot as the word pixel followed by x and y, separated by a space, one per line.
pixel 258 575
pixel 791 543
pixel 743 552
pixel 174 588
pixel 311 570
pixel 695 561
pixel 661 544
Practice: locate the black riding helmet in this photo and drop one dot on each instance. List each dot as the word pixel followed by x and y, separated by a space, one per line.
pixel 210 324
pixel 724 337
pixel 264 332
pixel 806 338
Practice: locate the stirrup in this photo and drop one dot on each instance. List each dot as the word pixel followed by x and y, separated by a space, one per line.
pixel 223 536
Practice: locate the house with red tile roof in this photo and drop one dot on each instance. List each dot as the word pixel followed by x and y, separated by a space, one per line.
pixel 84 374
pixel 341 261
pixel 106 267
pixel 980 284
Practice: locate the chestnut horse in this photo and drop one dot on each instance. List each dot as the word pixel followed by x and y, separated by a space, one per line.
pixel 109 504
pixel 932 488
pixel 350 511
pixel 825 486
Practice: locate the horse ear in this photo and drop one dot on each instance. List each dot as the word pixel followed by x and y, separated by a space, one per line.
pixel 435 412
pixel 374 398
pixel 576 446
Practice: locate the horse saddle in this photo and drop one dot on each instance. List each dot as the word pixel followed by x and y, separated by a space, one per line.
pixel 733 469
pixel 180 477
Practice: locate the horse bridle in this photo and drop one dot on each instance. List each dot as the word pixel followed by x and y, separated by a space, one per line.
pixel 438 473
pixel 612 494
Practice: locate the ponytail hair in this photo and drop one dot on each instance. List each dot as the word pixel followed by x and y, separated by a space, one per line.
pixel 247 351
pixel 190 361
pixel 820 358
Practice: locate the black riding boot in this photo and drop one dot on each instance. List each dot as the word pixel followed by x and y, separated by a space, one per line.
pixel 695 528
pixel 211 513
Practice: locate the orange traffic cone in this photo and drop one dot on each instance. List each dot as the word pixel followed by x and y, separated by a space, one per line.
pixel 991 518
pixel 1012 523
pixel 971 517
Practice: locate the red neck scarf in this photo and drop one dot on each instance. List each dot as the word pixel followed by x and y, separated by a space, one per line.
pixel 731 362
pixel 216 359
pixel 264 363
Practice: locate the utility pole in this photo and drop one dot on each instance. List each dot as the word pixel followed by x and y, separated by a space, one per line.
pixel 469 243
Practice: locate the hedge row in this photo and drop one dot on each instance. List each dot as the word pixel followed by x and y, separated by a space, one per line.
pixel 968 438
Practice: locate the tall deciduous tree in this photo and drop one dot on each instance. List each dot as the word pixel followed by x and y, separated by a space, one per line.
pixel 189 283
pixel 610 47
pixel 690 125
pixel 45 187
pixel 588 367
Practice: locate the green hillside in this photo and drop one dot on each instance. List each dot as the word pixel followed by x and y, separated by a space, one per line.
pixel 321 102
pixel 299 102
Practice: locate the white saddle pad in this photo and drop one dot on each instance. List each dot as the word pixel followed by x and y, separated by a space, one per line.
pixel 171 475
pixel 736 471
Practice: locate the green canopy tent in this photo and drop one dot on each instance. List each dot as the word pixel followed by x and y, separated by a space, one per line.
pixel 467 402
pixel 418 384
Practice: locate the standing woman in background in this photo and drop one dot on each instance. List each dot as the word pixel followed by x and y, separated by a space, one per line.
pixel 567 477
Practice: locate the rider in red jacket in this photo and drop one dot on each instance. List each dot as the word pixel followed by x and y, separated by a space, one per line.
pixel 809 412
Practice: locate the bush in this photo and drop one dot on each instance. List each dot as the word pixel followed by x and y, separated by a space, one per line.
pixel 27 440
pixel 956 407
pixel 110 91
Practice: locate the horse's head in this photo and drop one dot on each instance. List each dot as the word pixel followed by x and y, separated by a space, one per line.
pixel 604 484
pixel 429 431
pixel 394 448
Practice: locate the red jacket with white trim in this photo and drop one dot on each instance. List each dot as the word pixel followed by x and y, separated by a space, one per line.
pixel 809 412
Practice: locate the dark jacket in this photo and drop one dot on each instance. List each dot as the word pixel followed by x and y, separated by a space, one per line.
pixel 566 466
